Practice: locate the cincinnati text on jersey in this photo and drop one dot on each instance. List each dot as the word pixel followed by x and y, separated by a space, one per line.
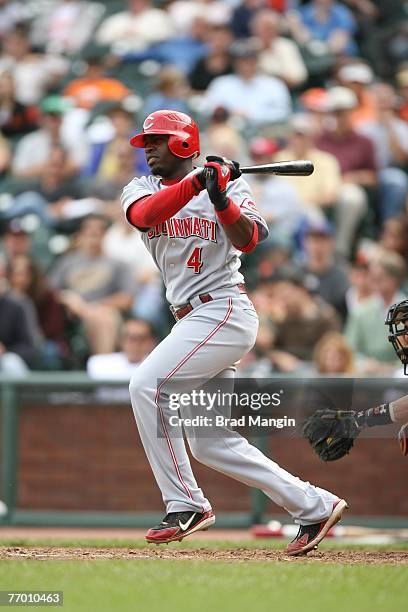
pixel 185 228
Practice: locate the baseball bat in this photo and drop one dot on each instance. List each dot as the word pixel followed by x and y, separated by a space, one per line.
pixel 300 167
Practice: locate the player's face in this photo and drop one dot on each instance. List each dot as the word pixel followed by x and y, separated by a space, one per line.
pixel 404 338
pixel 160 159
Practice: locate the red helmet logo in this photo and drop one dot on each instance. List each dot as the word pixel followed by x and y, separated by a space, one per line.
pixel 184 138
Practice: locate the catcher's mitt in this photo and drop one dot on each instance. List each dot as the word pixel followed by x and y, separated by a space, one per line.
pixel 331 433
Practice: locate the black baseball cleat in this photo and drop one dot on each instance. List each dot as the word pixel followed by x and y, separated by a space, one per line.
pixel 178 525
pixel 309 536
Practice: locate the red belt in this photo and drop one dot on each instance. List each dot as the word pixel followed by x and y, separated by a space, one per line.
pixel 181 312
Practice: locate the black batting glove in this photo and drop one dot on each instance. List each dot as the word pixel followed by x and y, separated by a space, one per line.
pixel 217 177
pixel 235 172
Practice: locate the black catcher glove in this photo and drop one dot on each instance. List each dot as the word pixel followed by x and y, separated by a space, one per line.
pixel 331 433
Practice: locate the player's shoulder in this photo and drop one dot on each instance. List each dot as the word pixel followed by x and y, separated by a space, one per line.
pixel 142 181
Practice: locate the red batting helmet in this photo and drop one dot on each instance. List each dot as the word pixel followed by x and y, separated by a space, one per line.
pixel 184 140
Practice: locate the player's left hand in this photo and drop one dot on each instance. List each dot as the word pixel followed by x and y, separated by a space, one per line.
pixel 331 433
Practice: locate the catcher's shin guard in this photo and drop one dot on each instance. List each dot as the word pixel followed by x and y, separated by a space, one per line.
pixel 403 439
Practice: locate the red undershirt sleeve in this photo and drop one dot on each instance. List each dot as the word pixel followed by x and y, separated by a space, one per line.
pixel 161 206
pixel 254 239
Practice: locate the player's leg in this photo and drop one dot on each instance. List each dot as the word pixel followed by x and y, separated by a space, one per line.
pixel 230 453
pixel 197 348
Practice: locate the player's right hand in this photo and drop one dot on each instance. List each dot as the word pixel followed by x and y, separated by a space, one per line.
pixel 233 166
pixel 200 177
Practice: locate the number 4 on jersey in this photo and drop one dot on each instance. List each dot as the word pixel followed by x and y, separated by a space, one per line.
pixel 194 261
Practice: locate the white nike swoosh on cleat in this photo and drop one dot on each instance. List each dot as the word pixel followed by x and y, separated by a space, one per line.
pixel 185 526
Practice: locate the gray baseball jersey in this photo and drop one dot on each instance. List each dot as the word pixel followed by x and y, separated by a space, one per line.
pixel 191 249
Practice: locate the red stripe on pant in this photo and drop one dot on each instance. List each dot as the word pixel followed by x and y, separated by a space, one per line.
pixel 175 369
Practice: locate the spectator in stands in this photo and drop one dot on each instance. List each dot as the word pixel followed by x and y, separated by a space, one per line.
pixel 170 92
pixel 242 16
pixel 107 182
pixel 135 28
pixel 183 13
pixel 321 190
pixel 374 353
pixel 378 22
pixel 275 197
pixel 17 346
pixel 277 254
pixel 137 340
pixel 217 60
pixel 94 86
pixel 389 135
pixel 67 26
pixel 34 74
pixel 394 236
pixel 96 289
pixel 356 157
pixel 12 12
pixel 327 21
pixel 182 50
pixel 271 309
pixel 361 282
pixel 248 94
pixel 16 119
pixel 5 156
pixel 279 56
pixel 300 317
pixel 47 195
pixel 123 244
pixel 15 240
pixel 223 137
pixel 313 102
pixel 111 162
pixel 358 77
pixel 28 281
pixel 320 269
pixel 333 355
pixel 32 152
pixel 401 78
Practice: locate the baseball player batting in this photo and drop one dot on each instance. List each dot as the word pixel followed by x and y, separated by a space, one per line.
pixel 332 432
pixel 196 222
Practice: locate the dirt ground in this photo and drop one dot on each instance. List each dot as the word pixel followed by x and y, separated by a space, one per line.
pixel 234 555
pixel 108 533
pixel 237 555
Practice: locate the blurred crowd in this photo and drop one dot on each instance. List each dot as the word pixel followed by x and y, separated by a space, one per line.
pixel 266 80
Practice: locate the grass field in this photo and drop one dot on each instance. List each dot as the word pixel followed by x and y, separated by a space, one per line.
pixel 212 576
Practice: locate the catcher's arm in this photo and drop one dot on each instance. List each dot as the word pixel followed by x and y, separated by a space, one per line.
pixel 399 413
pixel 399 410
